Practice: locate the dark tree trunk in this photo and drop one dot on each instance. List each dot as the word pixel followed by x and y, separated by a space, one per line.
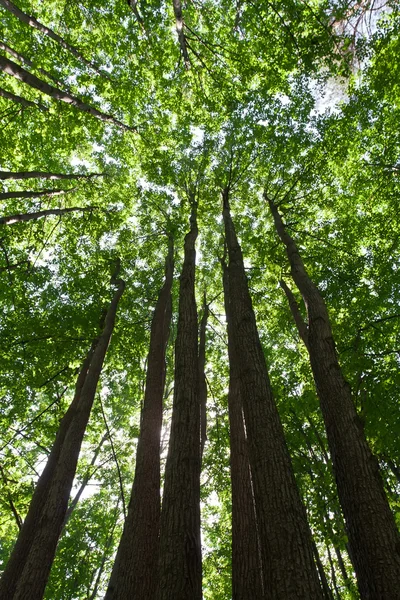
pixel 321 572
pixel 247 577
pixel 180 546
pixel 43 213
pixel 11 68
pixel 202 377
pixel 26 61
pixel 22 101
pixel 135 570
pixel 46 175
pixel 286 547
pixel 27 571
pixel 373 537
pixel 180 31
pixel 29 20
pixel 30 194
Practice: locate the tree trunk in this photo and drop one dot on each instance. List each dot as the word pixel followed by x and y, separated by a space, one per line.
pixel 31 194
pixel 180 546
pixel 29 20
pixel 46 175
pixel 135 570
pixel 247 576
pixel 373 537
pixel 286 548
pixel 11 68
pixel 22 101
pixel 180 31
pixel 321 571
pixel 26 61
pixel 202 377
pixel 27 571
pixel 43 213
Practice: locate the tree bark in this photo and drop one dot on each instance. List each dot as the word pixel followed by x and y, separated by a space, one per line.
pixel 33 194
pixel 44 213
pixel 22 101
pixel 11 68
pixel 180 31
pixel 180 546
pixel 26 61
pixel 45 175
pixel 27 571
pixel 30 20
pixel 373 538
pixel 286 547
pixel 202 377
pixel 321 571
pixel 247 576
pixel 135 570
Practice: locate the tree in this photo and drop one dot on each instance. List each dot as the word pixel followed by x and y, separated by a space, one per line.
pixel 296 98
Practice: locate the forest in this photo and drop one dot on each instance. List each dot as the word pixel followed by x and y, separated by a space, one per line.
pixel 200 284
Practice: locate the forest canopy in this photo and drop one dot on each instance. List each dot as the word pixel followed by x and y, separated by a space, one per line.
pixel 199 266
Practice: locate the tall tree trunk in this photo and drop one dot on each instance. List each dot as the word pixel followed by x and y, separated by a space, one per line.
pixel 22 101
pixel 33 194
pixel 202 377
pixel 45 175
pixel 180 546
pixel 247 576
pixel 286 548
pixel 26 61
pixel 27 571
pixel 180 31
pixel 11 68
pixel 373 537
pixel 321 571
pixel 135 570
pixel 43 213
pixel 30 20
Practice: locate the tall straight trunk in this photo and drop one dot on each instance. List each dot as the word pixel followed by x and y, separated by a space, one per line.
pixel 180 546
pixel 322 575
pixel 11 68
pixel 45 175
pixel 286 547
pixel 43 213
pixel 27 571
pixel 180 31
pixel 30 20
pixel 135 570
pixel 26 61
pixel 247 577
pixel 373 538
pixel 22 101
pixel 202 377
pixel 33 194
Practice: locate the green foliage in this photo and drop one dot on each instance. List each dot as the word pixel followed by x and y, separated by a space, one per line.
pixel 252 112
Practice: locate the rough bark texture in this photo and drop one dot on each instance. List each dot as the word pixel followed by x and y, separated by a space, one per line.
pixel 373 538
pixel 11 68
pixel 27 571
pixel 287 559
pixel 45 175
pixel 202 377
pixel 43 213
pixel 180 546
pixel 247 576
pixel 135 570
pixel 29 20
